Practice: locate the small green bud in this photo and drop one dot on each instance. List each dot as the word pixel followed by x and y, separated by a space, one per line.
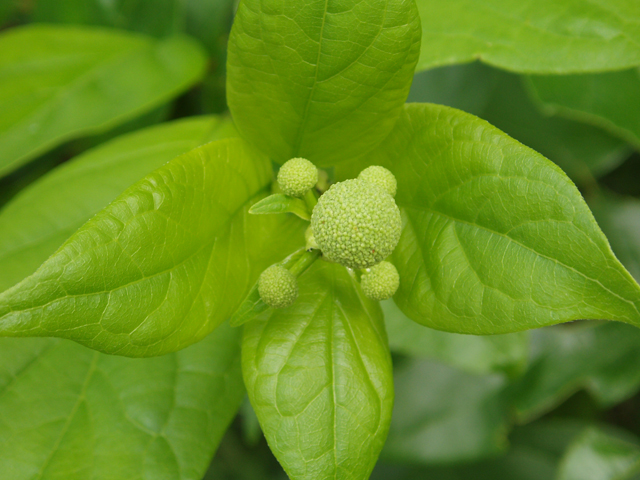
pixel 278 287
pixel 356 224
pixel 380 176
pixel 297 176
pixel 381 281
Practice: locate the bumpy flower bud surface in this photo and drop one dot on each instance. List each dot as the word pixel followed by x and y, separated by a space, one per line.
pixel 278 287
pixel 381 282
pixel 356 224
pixel 297 176
pixel 380 176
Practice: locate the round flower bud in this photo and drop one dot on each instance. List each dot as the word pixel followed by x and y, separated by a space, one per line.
pixel 278 287
pixel 356 224
pixel 297 176
pixel 380 176
pixel 381 281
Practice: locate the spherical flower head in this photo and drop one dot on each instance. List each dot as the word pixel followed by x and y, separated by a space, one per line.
pixel 381 281
pixel 278 287
pixel 380 176
pixel 297 176
pixel 356 224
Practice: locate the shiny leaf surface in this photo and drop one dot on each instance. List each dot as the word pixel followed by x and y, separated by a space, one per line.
pixel 318 374
pixel 162 265
pixel 322 80
pixel 495 238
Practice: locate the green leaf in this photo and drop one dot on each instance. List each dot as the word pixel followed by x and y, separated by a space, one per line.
pixel 38 220
pixel 319 79
pixel 533 454
pixel 598 456
pixel 164 264
pixel 475 354
pixel 59 83
pixel 280 203
pixel 319 377
pixel 495 238
pixel 607 100
pixel 68 412
pixel 619 218
pixel 605 359
pixel 582 151
pixel 546 36
pixel 444 415
pixel 153 17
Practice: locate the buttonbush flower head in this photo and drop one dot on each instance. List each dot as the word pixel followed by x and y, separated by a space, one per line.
pixel 278 287
pixel 380 176
pixel 356 224
pixel 381 281
pixel 297 176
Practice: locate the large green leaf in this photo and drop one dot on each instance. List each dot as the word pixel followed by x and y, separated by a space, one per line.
pixel 68 412
pixel 545 36
pixel 605 359
pixel 444 415
pixel 38 220
pixel 582 151
pixel 598 456
pixel 320 79
pixel 495 238
pixel 319 377
pixel 472 353
pixel 152 17
pixel 164 264
pixel 58 83
pixel 608 100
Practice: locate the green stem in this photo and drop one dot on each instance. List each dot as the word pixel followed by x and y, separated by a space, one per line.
pixel 305 261
pixel 310 199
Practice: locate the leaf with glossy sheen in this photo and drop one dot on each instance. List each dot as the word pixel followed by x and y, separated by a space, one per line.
pixel 162 265
pixel 582 151
pixel 472 353
pixel 543 36
pixel 40 218
pixel 619 218
pixel 443 415
pixel 598 456
pixel 152 17
pixel 319 377
pixel 279 203
pixel 59 83
pixel 607 100
pixel 495 238
pixel 69 412
pixel 323 80
pixel 605 359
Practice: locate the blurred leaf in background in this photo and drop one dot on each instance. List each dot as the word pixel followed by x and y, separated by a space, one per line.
pixel 158 18
pixel 584 152
pixel 607 100
pixel 81 81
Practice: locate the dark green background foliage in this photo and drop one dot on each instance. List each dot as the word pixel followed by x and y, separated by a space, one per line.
pixel 135 135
